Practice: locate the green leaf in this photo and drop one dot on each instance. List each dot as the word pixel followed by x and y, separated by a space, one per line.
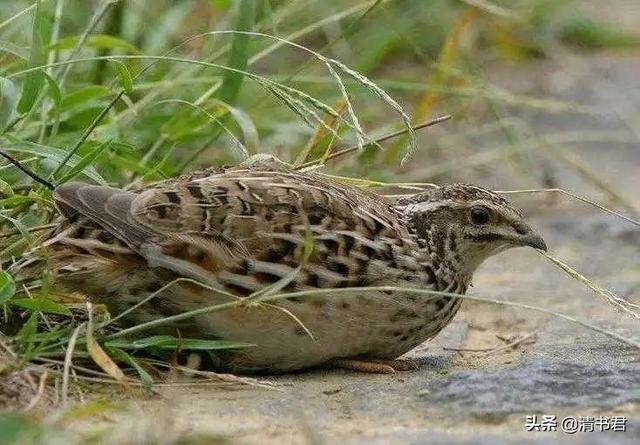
pixel 84 95
pixel 24 230
pixel 5 188
pixel 30 90
pixel 28 330
pixel 8 101
pixel 98 41
pixel 42 305
pixel 85 162
pixel 245 17
pixel 169 342
pixel 17 201
pixel 54 91
pixel 7 287
pixel 56 334
pixel 41 33
pixel 125 76
pixel 84 118
pixel 128 163
pixel 53 153
pixel 121 356
pixel 186 123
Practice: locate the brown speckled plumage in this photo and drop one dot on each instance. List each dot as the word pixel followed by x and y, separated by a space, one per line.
pixel 242 228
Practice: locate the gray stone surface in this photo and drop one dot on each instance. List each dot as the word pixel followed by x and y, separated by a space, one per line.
pixel 541 386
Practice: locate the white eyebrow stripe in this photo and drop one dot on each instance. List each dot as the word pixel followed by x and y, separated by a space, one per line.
pixel 431 205
pixel 509 214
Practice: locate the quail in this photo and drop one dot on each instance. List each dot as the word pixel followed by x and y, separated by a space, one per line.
pixel 240 229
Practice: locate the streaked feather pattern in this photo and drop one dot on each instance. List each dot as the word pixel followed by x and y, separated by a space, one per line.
pixel 241 229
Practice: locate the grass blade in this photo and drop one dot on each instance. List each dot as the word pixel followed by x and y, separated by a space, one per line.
pixel 609 296
pixel 245 17
pixel 100 357
pixel 125 76
pixel 41 34
pixel 174 343
pixel 85 162
pixel 86 134
pixel 7 287
pixel 8 101
pixel 54 153
pixel 120 355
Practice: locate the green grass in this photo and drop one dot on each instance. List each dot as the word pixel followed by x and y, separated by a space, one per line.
pixel 88 93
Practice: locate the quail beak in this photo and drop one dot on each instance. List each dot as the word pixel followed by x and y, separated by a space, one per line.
pixel 532 239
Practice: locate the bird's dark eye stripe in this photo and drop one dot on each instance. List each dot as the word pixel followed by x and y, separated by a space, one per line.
pixel 520 228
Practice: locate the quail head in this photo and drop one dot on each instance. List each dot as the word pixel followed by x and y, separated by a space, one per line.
pixel 238 230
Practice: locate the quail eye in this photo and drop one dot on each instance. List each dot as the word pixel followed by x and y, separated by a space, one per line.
pixel 479 215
